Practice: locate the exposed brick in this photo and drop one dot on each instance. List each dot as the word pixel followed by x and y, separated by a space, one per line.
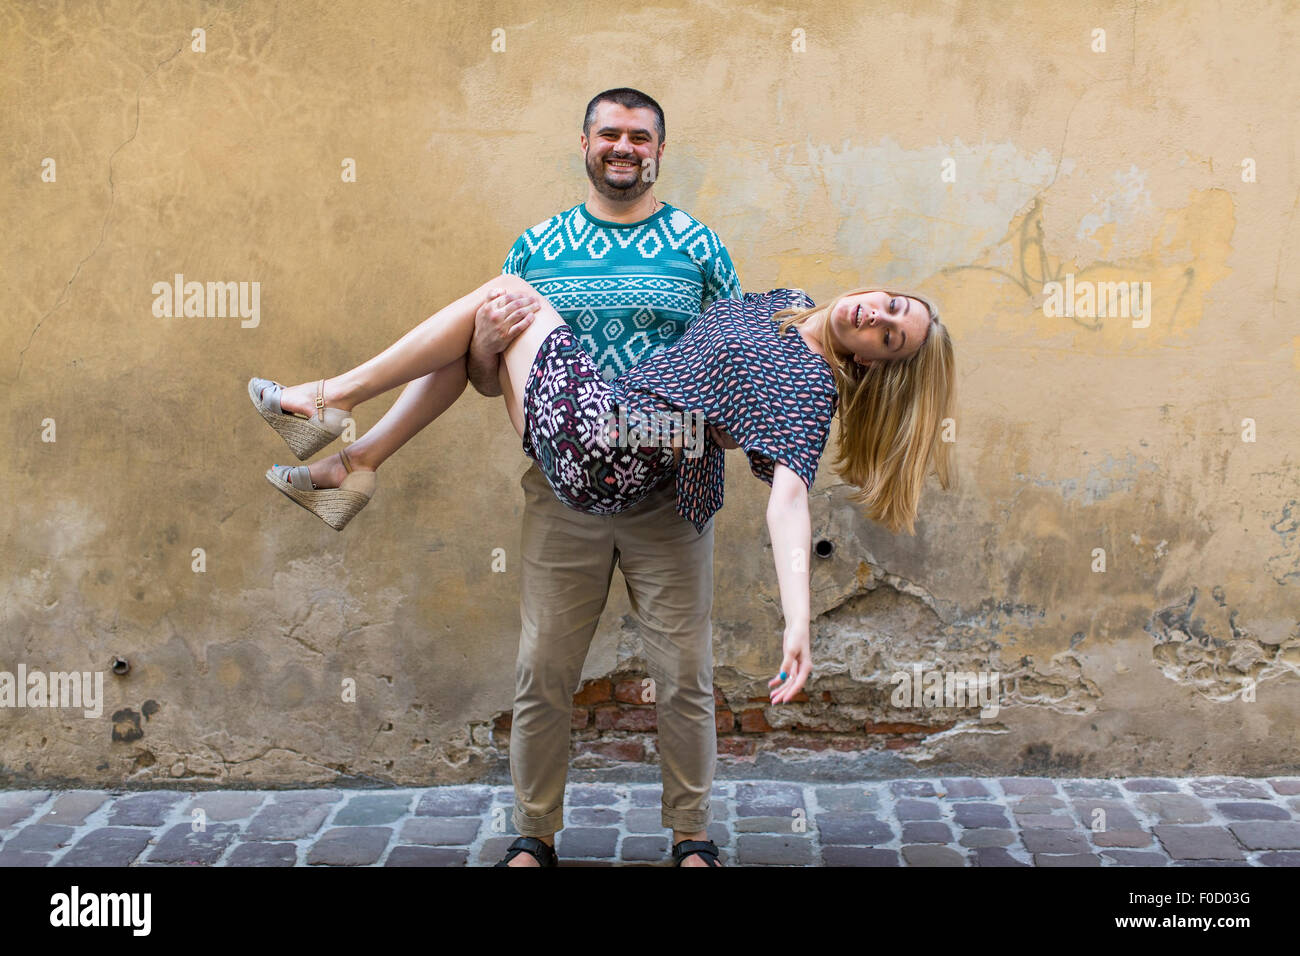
pixel 899 743
pixel 501 723
pixel 724 721
pixel 872 727
pixel 629 750
pixel 735 746
pixel 827 698
pixel 799 698
pixel 780 741
pixel 754 721
pixel 718 699
pixel 614 717
pixel 592 692
pixel 579 719
pixel 843 742
pixel 629 692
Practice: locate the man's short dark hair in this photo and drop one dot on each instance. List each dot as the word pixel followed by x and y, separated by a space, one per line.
pixel 628 99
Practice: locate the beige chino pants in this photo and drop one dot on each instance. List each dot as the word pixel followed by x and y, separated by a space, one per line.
pixel 567 564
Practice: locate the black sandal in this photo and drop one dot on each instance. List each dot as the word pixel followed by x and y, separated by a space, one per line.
pixel 707 849
pixel 543 854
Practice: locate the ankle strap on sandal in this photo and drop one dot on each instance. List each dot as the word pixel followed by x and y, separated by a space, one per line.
pixel 343 457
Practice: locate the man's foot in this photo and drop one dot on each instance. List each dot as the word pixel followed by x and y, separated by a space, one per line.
pixel 693 859
pixel 527 859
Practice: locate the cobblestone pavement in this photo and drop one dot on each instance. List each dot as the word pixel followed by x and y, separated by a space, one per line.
pixel 1014 821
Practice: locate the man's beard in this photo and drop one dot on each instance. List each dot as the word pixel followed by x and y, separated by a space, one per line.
pixel 633 190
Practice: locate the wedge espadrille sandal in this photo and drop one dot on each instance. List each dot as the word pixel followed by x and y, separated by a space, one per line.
pixel 304 435
pixel 335 506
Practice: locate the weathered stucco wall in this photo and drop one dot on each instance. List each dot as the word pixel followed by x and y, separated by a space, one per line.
pixel 822 168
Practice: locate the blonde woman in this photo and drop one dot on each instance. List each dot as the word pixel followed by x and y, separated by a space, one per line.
pixel 770 369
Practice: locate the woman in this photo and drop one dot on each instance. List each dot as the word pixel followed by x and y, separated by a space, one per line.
pixel 770 369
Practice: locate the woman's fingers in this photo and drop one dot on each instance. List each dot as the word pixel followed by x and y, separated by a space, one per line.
pixel 788 666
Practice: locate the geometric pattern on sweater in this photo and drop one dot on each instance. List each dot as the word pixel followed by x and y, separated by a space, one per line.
pixel 626 289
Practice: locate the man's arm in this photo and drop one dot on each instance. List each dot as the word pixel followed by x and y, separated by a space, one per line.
pixel 496 323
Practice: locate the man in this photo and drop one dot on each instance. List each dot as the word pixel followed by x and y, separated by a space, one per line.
pixel 627 273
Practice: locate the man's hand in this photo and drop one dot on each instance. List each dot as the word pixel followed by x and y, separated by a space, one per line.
pixel 497 323
pixel 722 438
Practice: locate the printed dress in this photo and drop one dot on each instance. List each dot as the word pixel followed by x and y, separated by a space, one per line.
pixel 731 368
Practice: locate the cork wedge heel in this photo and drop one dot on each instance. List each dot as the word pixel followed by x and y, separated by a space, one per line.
pixel 335 506
pixel 304 435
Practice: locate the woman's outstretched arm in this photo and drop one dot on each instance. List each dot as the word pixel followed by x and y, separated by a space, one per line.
pixel 790 528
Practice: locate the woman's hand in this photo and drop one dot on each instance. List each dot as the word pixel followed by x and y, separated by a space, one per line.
pixel 796 665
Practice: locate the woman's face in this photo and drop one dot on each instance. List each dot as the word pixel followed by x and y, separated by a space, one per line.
pixel 879 327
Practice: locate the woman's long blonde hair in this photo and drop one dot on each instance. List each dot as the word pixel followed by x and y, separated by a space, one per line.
pixel 890 417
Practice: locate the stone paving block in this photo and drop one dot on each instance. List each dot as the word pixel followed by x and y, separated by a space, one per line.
pixel 107 846
pixel 182 844
pixel 988 837
pixel 963 788
pixel 1174 807
pixel 978 815
pixel 792 850
pixel 309 796
pixel 1267 835
pixel 1294 803
pixel 1023 786
pixel 263 854
pixel 1045 821
pixel 580 842
pixel 1150 785
pixel 1115 816
pixel 1253 810
pixel 913 788
pixel 18 805
pixel 1054 841
pixel 931 855
pixel 17 857
pixel 1073 859
pixel 225 805
pixel 40 838
pixel 1205 863
pixel 1219 789
pixel 926 832
pixel 1136 858
pixel 71 808
pixel 427 856
pixel 858 856
pixel 349 846
pixel 594 817
pixel 767 799
pixel 454 802
pixel 860 829
pixel 440 831
pixel 1130 838
pixel 719 834
pixel 995 856
pixel 643 848
pixel 494 850
pixel 647 797
pixel 373 809
pixel 911 809
pixel 1091 788
pixel 1286 786
pixel 143 809
pixel 287 821
pixel 643 820
pixel 847 798
pixel 1265 859
pixel 591 797
pixel 1038 804
pixel 768 825
pixel 1198 843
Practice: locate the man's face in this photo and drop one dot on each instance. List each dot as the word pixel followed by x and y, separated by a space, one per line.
pixel 622 151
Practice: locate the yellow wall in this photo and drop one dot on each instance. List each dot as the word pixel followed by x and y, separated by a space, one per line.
pixel 821 169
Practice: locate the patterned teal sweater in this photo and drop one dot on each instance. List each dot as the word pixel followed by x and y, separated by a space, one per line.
pixel 626 289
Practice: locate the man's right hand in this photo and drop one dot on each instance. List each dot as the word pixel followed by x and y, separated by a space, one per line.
pixel 497 323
